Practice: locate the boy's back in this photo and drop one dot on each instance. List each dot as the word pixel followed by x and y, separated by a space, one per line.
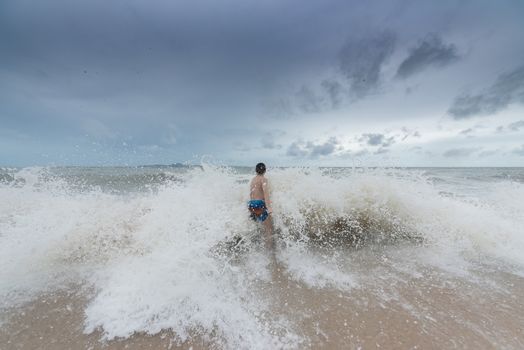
pixel 258 183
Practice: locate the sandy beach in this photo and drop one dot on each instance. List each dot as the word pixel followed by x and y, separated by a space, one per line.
pixel 429 312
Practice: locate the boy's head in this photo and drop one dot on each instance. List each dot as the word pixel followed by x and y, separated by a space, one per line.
pixel 260 168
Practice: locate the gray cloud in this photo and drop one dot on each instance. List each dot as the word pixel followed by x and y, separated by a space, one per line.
pixel 241 146
pixel 297 149
pixel 381 150
pixel 511 127
pixel 519 151
pixel 268 140
pixel 168 62
pixel 417 149
pixel 325 148
pixel 335 91
pixel 377 140
pixel 361 61
pixel 374 139
pixel 472 131
pixel 360 64
pixel 269 143
pixel 430 52
pixel 460 152
pixel 467 131
pixel 278 108
pixel 308 101
pixel 488 153
pixel 301 148
pixel 516 126
pixel 123 72
pixel 508 89
pixel 407 132
pixel 361 153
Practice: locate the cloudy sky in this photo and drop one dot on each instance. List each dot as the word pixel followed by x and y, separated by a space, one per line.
pixel 337 82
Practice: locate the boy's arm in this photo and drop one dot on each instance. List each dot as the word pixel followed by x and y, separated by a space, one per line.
pixel 267 199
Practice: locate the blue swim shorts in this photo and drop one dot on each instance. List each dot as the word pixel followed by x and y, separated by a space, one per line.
pixel 258 210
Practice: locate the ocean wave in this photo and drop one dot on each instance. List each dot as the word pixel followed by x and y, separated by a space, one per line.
pixel 186 256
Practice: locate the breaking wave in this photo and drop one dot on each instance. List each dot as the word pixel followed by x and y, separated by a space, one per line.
pixel 175 249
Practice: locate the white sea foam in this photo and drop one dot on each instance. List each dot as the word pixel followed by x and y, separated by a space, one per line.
pixel 154 258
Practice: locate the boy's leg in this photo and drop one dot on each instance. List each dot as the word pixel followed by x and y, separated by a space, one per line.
pixel 268 228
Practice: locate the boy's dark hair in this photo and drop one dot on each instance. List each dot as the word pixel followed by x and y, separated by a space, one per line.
pixel 260 168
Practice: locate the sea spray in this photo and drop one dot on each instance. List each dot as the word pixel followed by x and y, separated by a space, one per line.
pixel 154 245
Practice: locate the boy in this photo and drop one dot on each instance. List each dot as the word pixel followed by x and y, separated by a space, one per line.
pixel 260 204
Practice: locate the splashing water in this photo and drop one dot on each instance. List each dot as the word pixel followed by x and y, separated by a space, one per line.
pixel 169 248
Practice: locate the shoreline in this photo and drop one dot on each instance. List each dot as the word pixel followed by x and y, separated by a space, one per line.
pixel 465 317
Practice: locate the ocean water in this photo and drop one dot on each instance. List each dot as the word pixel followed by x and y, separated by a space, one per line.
pixel 428 257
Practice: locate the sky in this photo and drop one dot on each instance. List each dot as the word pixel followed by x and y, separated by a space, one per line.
pixel 290 83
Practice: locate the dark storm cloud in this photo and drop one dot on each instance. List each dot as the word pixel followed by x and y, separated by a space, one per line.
pixel 166 60
pixel 173 61
pixel 508 89
pixel 177 77
pixel 361 61
pixel 460 152
pixel 359 73
pixel 430 52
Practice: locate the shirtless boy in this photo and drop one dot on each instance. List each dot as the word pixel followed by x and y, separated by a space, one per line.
pixel 260 204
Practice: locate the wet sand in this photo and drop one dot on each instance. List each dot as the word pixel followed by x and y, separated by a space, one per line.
pixel 433 311
pixel 55 321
